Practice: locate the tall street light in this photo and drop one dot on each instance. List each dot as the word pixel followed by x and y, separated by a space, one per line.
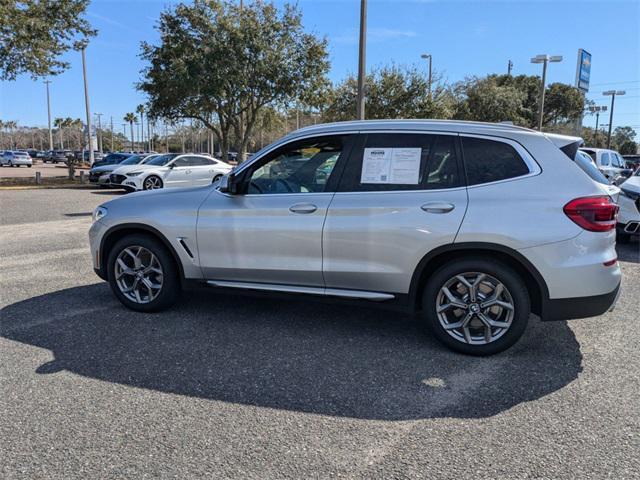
pixel 99 115
pixel 427 56
pixel 47 82
pixel 597 109
pixel 544 59
pixel 86 104
pixel 361 57
pixel 613 94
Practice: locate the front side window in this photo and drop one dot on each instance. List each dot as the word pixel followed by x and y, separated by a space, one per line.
pixel 403 161
pixel 488 161
pixel 300 167
pixel 604 159
pixel 181 162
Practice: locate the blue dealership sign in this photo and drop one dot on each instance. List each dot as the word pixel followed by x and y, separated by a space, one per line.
pixel 583 71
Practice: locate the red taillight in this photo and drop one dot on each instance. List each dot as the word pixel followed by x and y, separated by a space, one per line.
pixel 595 214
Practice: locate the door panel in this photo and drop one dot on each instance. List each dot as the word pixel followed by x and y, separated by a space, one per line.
pixel 374 240
pixel 178 177
pixel 262 238
pixel 271 230
pixel 376 231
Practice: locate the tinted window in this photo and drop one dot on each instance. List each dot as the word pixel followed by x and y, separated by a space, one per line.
pixel 162 159
pixel 300 167
pixel 604 159
pixel 182 162
pixel 199 161
pixel 403 161
pixel 489 161
pixel 583 160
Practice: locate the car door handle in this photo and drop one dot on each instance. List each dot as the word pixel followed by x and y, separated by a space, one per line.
pixel 188 171
pixel 437 207
pixel 303 208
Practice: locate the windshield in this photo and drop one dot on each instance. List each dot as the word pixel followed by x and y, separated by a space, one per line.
pixel 586 164
pixel 134 160
pixel 162 159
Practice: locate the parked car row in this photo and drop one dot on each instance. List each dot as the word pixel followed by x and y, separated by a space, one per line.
pixel 154 171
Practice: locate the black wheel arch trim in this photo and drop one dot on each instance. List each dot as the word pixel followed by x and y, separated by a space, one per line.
pixel 102 271
pixel 514 255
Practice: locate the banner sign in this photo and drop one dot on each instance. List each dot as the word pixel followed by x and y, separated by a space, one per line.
pixel 583 71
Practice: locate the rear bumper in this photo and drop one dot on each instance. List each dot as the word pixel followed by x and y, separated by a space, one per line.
pixel 580 307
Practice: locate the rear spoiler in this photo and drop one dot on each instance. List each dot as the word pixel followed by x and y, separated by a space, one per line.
pixel 569 145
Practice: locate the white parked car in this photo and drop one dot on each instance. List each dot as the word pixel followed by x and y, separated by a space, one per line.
pixel 608 162
pixel 629 201
pixel 170 170
pixel 14 158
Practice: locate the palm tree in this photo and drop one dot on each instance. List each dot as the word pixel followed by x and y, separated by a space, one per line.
pixel 58 123
pixel 140 110
pixel 131 117
pixel 10 125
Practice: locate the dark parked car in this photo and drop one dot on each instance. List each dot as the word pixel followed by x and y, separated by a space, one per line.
pixel 55 156
pixel 632 161
pixel 110 159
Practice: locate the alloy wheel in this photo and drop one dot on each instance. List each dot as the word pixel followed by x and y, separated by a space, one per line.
pixel 152 183
pixel 475 308
pixel 138 274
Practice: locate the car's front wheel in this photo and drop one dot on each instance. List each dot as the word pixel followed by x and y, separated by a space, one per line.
pixel 476 306
pixel 142 273
pixel 152 182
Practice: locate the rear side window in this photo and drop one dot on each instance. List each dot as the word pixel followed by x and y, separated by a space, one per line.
pixel 403 161
pixel 490 161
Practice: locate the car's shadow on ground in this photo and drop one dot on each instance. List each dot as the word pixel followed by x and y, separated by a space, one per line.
pixel 108 191
pixel 295 355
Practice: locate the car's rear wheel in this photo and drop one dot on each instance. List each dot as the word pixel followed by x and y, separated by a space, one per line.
pixel 10 163
pixel 476 306
pixel 216 179
pixel 142 273
pixel 152 182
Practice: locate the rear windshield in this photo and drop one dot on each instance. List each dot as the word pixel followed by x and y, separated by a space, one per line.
pixel 583 160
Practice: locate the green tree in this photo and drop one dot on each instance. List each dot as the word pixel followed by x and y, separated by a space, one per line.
pixel 487 100
pixel 628 147
pixel 35 33
pixel 563 104
pixel 391 92
pixel 222 66
pixel 622 135
pixel 59 123
pixel 131 118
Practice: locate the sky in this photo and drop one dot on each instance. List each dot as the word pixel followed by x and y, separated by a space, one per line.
pixel 465 38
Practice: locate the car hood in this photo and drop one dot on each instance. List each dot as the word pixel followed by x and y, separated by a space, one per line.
pixel 124 169
pixel 104 168
pixel 632 183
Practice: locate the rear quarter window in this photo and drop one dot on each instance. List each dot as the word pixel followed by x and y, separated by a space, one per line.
pixel 490 161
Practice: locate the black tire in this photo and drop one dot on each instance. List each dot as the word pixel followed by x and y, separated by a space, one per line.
pixel 144 184
pixel 171 287
pixel 216 178
pixel 503 273
pixel 29 166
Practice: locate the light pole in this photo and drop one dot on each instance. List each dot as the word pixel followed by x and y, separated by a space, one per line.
pixel 86 104
pixel 544 59
pixel 361 58
pixel 509 67
pixel 597 109
pixel 47 82
pixel 427 56
pixel 111 133
pixel 99 115
pixel 612 94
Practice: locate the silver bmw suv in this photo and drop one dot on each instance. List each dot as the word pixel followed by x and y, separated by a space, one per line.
pixel 471 226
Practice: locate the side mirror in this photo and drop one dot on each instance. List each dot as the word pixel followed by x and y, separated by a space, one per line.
pixel 228 184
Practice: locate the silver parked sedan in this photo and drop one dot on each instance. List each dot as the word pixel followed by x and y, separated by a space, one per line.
pixel 13 158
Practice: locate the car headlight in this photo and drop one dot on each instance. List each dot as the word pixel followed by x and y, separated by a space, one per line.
pixel 133 174
pixel 99 213
pixel 629 194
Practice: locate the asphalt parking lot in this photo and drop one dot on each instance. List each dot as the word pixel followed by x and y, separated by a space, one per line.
pixel 235 387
